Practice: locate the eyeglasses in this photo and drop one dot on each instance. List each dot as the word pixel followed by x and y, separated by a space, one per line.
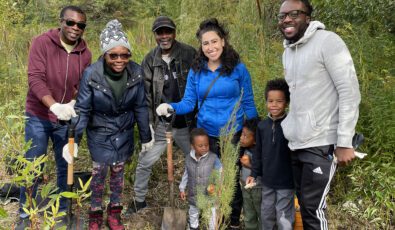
pixel 294 14
pixel 116 56
pixel 70 23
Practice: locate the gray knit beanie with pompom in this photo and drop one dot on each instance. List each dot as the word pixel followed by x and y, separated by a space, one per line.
pixel 113 36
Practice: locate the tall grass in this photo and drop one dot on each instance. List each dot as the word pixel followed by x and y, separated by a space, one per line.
pixel 368 183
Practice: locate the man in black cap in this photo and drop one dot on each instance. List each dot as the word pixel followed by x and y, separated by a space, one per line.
pixel 165 69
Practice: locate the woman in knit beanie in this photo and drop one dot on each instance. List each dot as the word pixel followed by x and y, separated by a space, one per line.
pixel 110 100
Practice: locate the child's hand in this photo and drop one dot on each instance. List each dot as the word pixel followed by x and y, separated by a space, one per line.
pixel 245 161
pixel 250 180
pixel 210 189
pixel 183 195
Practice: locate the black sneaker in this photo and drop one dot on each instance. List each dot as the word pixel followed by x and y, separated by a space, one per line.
pixel 135 207
pixel 22 224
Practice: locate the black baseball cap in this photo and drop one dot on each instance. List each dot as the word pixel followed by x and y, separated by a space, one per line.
pixel 163 21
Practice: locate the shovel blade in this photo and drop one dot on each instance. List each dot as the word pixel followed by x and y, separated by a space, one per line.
pixel 174 219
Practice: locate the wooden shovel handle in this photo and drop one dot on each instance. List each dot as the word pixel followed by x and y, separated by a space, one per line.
pixel 70 167
pixel 170 176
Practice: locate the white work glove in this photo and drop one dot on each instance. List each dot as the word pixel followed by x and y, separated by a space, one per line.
pixel 147 146
pixel 162 110
pixel 63 111
pixel 66 153
pixel 72 103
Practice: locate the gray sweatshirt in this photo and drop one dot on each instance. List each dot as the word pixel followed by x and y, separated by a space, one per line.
pixel 324 90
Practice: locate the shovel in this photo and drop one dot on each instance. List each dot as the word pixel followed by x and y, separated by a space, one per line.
pixel 173 218
pixel 73 222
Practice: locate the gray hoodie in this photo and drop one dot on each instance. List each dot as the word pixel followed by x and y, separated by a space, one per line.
pixel 324 90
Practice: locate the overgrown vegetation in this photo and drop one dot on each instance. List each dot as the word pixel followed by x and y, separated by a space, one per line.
pixel 363 192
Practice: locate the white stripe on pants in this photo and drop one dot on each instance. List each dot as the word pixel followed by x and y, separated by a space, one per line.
pixel 322 206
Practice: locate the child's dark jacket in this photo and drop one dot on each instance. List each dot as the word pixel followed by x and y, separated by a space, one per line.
pixel 273 159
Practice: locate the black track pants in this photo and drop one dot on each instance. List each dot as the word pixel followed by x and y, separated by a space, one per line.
pixel 313 170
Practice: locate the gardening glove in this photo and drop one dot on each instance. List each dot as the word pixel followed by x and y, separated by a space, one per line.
pixel 66 153
pixel 72 103
pixel 162 110
pixel 147 146
pixel 63 111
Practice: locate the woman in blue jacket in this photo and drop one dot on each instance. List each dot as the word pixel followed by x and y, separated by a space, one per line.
pixel 216 58
pixel 217 65
pixel 110 100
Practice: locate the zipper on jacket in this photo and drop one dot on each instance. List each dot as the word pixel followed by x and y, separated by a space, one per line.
pixel 65 80
pixel 273 131
pixel 178 69
pixel 294 66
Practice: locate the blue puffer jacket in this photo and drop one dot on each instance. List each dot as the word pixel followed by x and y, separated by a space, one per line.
pixel 223 96
pixel 109 125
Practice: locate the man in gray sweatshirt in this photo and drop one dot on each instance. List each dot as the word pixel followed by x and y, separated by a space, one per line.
pixel 324 106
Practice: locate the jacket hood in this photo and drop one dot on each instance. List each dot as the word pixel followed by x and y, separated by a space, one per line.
pixel 53 34
pixel 311 29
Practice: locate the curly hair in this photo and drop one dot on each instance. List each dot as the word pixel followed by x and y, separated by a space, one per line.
pixel 278 84
pixel 229 57
pixel 252 124
pixel 197 132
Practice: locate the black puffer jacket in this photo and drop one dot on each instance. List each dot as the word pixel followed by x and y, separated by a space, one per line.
pixel 109 124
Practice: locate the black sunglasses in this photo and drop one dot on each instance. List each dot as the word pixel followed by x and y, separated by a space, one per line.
pixel 70 23
pixel 294 14
pixel 116 56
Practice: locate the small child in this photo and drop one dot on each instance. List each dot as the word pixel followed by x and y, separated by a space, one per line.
pixel 199 165
pixel 273 161
pixel 252 192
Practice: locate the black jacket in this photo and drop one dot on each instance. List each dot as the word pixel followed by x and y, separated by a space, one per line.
pixel 110 124
pixel 181 56
pixel 273 159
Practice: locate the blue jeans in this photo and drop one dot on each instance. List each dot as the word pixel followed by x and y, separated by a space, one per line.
pixel 39 131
